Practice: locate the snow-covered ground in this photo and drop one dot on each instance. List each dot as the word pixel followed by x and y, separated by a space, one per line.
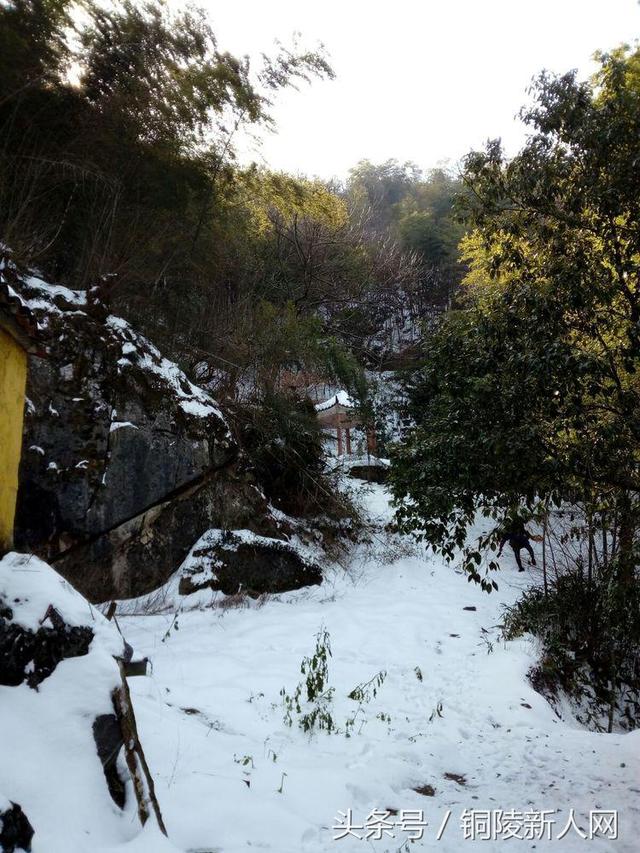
pixel 231 776
pixel 454 717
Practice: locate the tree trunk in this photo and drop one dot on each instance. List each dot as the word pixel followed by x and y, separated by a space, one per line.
pixel 626 535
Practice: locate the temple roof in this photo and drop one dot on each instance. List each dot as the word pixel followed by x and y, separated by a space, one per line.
pixel 339 399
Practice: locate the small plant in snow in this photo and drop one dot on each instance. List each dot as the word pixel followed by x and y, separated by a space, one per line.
pixel 315 712
pixel 316 689
pixel 368 690
pixel 245 760
pixel 174 626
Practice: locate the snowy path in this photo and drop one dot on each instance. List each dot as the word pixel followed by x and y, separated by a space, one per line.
pixel 226 668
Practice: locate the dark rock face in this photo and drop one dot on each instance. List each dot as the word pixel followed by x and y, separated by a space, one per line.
pixel 141 554
pixel 15 830
pixel 252 564
pixel 108 739
pixel 109 432
pixel 32 656
pixel 125 463
pixel 370 473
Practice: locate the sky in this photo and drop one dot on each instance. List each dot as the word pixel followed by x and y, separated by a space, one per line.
pixel 420 80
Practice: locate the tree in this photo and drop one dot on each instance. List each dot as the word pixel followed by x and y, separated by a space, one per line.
pixel 377 188
pixel 126 174
pixel 33 47
pixel 530 391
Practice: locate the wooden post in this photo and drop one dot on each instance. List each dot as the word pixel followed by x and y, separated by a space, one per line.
pixel 339 429
pixel 348 432
pixel 136 762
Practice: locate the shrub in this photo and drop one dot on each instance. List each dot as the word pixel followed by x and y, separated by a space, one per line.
pixel 590 635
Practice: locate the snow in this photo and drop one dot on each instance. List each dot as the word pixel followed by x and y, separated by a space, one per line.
pixel 74 297
pixel 393 609
pixel 199 408
pixel 49 763
pixel 137 350
pixel 34 585
pixel 339 399
pixel 116 425
pixel 210 718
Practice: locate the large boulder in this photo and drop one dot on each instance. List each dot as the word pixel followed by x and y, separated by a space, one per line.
pixel 234 561
pixel 139 555
pixel 371 473
pixel 125 462
pixel 57 677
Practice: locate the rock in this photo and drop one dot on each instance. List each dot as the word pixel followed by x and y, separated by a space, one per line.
pixel 237 560
pixel 31 656
pixel 141 554
pixel 108 740
pixel 15 830
pixel 113 428
pixel 125 462
pixel 426 790
pixel 370 473
pixel 52 639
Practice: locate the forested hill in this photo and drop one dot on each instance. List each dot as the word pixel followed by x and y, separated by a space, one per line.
pixel 119 172
pixel 508 293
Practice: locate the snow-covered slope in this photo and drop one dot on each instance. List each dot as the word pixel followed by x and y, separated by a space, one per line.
pixel 49 764
pixel 455 717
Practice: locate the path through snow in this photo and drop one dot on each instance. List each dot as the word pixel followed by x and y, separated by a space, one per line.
pixel 211 720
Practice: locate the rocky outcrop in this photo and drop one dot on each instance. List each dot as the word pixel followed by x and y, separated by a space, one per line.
pixel 111 427
pixel 52 640
pixel 15 830
pixel 125 462
pixel 31 656
pixel 370 473
pixel 139 555
pixel 239 561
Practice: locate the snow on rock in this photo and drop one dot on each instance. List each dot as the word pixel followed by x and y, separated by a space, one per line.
pixel 116 425
pixel 235 561
pixel 51 292
pixel 137 350
pixel 29 586
pixel 49 760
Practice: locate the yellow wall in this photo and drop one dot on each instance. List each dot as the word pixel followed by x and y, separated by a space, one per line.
pixel 13 379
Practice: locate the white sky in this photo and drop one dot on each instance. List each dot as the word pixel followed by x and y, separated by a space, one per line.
pixel 421 80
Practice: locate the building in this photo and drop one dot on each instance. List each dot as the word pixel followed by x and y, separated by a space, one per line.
pixel 18 337
pixel 340 413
